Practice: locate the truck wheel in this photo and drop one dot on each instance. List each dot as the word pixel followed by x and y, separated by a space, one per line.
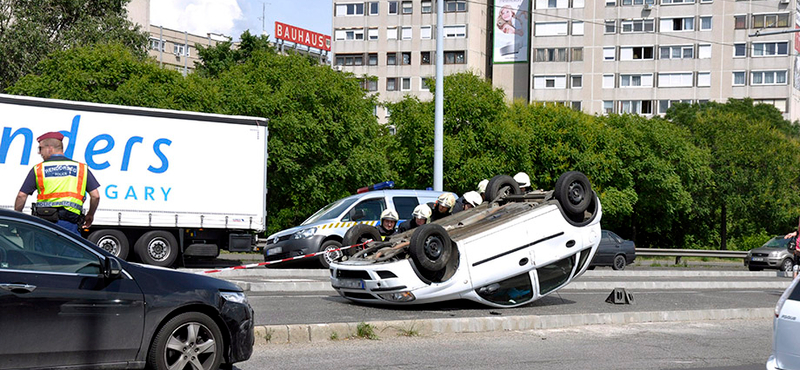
pixel 501 185
pixel 112 241
pixel 359 234
pixel 325 259
pixel 157 248
pixel 574 193
pixel 430 247
pixel 191 340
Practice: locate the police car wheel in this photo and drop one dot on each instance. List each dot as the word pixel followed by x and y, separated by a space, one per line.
pixel 500 186
pixel 430 247
pixel 325 259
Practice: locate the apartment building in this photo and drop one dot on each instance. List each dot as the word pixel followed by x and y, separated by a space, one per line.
pixel 177 49
pixel 602 56
pixel 395 43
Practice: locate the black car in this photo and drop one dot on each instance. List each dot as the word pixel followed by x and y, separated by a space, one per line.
pixel 65 303
pixel 613 251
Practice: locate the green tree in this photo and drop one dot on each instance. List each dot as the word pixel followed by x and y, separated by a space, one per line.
pixel 214 60
pixel 30 30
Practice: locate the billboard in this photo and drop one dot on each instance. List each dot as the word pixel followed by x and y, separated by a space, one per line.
pixel 511 28
pixel 301 36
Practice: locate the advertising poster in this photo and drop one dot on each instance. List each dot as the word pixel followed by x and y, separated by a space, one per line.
pixel 511 27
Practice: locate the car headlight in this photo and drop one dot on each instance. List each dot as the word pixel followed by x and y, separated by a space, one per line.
pixel 398 297
pixel 236 297
pixel 305 233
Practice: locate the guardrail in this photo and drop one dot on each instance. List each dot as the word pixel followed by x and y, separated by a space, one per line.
pixel 679 253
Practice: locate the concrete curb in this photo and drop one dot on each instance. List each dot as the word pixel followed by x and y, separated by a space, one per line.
pixel 305 333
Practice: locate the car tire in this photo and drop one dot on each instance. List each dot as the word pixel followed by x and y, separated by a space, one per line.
pixel 590 268
pixel 574 193
pixel 753 268
pixel 359 234
pixel 157 248
pixel 619 262
pixel 430 247
pixel 112 241
pixel 501 185
pixel 787 265
pixel 326 258
pixel 203 345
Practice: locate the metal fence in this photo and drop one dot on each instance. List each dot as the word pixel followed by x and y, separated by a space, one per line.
pixel 679 253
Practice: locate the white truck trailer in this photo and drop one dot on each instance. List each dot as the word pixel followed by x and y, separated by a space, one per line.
pixel 172 184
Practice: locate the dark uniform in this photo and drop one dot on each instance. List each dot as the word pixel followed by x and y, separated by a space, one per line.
pixel 435 214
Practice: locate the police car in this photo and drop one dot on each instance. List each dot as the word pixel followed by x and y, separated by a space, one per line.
pixel 504 253
pixel 325 229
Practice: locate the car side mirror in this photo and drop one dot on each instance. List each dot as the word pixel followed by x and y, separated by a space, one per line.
pixel 112 268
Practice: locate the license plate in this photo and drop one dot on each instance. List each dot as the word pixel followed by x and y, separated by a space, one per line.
pixel 758 259
pixel 274 251
pixel 348 283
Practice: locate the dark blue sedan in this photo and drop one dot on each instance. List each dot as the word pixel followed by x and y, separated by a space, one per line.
pixel 613 251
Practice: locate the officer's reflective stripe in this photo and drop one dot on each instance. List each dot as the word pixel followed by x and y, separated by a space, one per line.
pixel 40 178
pixel 59 204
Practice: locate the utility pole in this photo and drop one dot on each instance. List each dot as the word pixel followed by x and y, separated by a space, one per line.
pixel 438 126
pixel 263 18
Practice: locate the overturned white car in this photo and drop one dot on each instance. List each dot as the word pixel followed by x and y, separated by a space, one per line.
pixel 503 253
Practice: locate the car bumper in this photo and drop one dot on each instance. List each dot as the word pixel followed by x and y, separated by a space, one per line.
pixel 765 262
pixel 292 248
pixel 239 318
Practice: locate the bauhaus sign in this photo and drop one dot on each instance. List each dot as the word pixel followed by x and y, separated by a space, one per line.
pixel 301 36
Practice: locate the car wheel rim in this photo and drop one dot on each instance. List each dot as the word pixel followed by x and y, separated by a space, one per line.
pixel 331 255
pixel 109 244
pixel 619 262
pixel 433 247
pixel 787 266
pixel 158 249
pixel 576 193
pixel 191 346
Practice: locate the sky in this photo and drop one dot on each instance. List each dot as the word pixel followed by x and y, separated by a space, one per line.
pixel 232 17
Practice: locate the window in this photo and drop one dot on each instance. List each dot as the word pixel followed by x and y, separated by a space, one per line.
pixel 740 50
pixel 406 57
pixel 577 4
pixel 369 209
pixel 550 82
pixel 425 32
pixel 373 8
pixel 391 59
pixel 608 81
pixel 663 105
pixel 404 206
pixel 425 83
pixel 636 80
pixel 637 2
pixel 739 22
pixel 636 53
pixel 677 24
pixel 705 23
pixel 608 106
pixel 552 4
pixel 681 79
pixel 768 78
pixel 550 28
pixel 703 79
pixel 677 1
pixel 577 55
pixel 770 20
pixel 426 7
pixel 372 59
pixel 458 32
pixel 391 33
pixel 551 55
pixel 739 78
pixel 611 2
pixel 391 84
pixel 611 26
pixel 454 57
pixel 608 53
pixel 577 28
pixel 704 51
pixel 349 59
pixel 637 25
pixel 555 274
pixel 780 104
pixel 393 8
pixel 156 44
pixel 48 251
pixel 372 34
pixel 425 57
pixel 405 84
pixel 636 106
pixel 406 32
pixel 511 291
pixel 349 9
pixel 576 81
pixel 408 7
pixel 371 85
pixel 355 34
pixel 455 6
pixel 180 50
pixel 575 105
pixel 764 49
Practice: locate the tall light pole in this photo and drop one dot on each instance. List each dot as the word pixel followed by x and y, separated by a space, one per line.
pixel 438 126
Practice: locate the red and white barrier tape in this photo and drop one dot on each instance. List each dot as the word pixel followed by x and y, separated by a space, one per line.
pixel 253 265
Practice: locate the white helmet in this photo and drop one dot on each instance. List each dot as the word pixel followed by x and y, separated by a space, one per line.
pixel 522 179
pixel 388 214
pixel 482 186
pixel 446 199
pixel 473 198
pixel 422 211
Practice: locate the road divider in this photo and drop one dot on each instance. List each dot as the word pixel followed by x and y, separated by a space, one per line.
pixel 254 265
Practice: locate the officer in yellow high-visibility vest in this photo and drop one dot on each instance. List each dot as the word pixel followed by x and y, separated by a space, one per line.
pixel 62 185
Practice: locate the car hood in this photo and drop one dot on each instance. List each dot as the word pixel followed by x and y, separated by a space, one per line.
pixel 154 278
pixel 768 250
pixel 298 228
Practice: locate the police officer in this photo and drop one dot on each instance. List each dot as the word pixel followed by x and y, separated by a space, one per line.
pixel 62 185
pixel 388 222
pixel 420 216
pixel 524 181
pixel 442 207
pixel 470 199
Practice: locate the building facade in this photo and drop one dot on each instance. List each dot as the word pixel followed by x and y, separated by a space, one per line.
pixel 602 56
pixel 177 49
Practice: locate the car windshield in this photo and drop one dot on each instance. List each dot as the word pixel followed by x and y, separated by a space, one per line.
pixel 776 242
pixel 332 210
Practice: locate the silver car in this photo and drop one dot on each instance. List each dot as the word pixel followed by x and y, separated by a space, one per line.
pixel 785 328
pixel 774 254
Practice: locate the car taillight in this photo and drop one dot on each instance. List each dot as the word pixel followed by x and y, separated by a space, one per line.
pixel 785 296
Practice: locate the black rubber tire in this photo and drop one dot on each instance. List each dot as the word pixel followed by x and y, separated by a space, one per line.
pixel 359 234
pixel 619 262
pixel 208 337
pixel 574 193
pixel 323 258
pixel 787 265
pixel 430 247
pixel 112 241
pixel 590 268
pixel 753 268
pixel 157 248
pixel 501 185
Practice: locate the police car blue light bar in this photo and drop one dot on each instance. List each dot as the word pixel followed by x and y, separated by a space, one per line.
pixel 378 186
